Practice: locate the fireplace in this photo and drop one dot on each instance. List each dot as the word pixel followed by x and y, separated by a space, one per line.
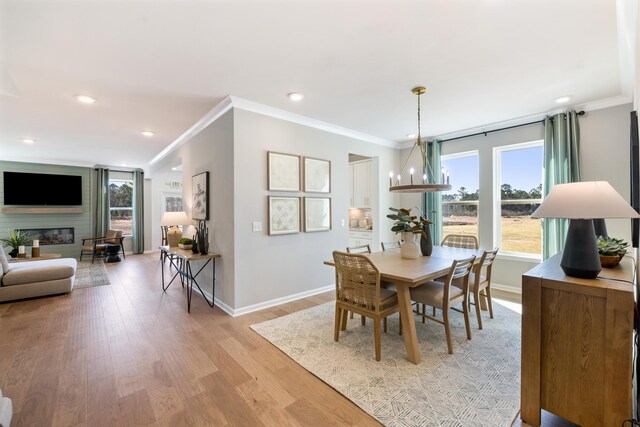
pixel 51 236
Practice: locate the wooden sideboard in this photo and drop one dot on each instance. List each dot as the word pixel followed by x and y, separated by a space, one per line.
pixel 577 345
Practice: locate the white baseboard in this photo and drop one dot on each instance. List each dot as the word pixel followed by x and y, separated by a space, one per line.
pixel 267 304
pixel 506 288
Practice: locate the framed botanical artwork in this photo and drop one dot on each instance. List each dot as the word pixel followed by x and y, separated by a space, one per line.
pixel 317 175
pixel 284 215
pixel 283 172
pixel 200 192
pixel 317 214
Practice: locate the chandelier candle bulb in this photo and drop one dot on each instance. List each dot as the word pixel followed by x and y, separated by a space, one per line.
pixel 391 179
pixel 411 174
pixel 399 178
pixel 447 177
pixel 424 178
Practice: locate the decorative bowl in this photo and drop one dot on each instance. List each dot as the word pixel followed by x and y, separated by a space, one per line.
pixel 608 261
pixel 185 247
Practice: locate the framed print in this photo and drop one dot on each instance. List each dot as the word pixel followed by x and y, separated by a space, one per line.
pixel 284 215
pixel 171 202
pixel 317 214
pixel 317 175
pixel 283 172
pixel 200 191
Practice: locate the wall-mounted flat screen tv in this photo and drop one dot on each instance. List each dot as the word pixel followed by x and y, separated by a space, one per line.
pixel 39 189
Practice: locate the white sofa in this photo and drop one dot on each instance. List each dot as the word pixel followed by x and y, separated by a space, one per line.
pixel 6 411
pixel 20 280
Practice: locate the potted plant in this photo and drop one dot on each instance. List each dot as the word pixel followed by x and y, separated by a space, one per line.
pixel 185 243
pixel 15 240
pixel 611 250
pixel 410 226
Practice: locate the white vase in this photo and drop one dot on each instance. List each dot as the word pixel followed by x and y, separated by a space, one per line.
pixel 409 248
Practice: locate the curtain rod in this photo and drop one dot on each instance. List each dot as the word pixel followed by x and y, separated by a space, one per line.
pixel 485 133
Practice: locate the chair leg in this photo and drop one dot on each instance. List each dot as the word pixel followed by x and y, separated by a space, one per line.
pixel 363 320
pixel 377 338
pixel 351 315
pixel 400 324
pixel 447 329
pixel 467 324
pixel 476 301
pixel 336 328
pixel 487 290
pixel 384 322
pixel 344 317
pixel 433 311
pixel 424 312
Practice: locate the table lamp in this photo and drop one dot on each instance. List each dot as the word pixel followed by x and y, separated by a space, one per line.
pixel 581 202
pixel 173 220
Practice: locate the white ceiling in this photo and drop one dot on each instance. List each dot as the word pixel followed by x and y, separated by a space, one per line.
pixel 161 65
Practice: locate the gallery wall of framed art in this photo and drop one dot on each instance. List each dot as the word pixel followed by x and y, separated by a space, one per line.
pixel 291 173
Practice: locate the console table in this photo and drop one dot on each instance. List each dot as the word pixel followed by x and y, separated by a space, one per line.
pixel 181 260
pixel 577 337
pixel 38 258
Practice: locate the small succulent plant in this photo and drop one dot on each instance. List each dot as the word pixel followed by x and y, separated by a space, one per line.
pixel 610 246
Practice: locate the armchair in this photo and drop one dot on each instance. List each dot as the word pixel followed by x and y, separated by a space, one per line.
pixel 96 246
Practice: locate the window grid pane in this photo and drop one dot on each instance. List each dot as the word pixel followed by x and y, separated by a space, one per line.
pixel 520 196
pixel 460 204
pixel 121 206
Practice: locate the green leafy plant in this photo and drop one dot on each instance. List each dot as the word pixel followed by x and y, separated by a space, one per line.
pixel 185 241
pixel 610 246
pixel 16 239
pixel 405 222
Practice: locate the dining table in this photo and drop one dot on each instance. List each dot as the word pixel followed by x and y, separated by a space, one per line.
pixel 408 273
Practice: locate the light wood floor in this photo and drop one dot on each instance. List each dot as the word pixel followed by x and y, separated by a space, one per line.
pixel 129 354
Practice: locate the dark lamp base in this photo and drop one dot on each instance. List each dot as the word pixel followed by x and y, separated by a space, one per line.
pixel 580 257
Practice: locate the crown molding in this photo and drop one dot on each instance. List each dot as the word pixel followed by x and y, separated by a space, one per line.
pixel 214 114
pixel 245 104
pixel 53 162
pixel 600 104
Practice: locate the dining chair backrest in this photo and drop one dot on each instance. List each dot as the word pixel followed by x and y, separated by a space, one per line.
pixel 362 249
pixel 486 261
pixel 460 269
pixel 357 281
pixel 466 241
pixel 389 245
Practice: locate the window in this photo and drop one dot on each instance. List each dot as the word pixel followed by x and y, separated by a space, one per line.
pixel 460 204
pixel 518 170
pixel 121 205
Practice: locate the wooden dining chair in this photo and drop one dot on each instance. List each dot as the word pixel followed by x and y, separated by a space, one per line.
pixel 362 249
pixel 466 241
pixel 358 290
pixel 389 245
pixel 479 283
pixel 444 296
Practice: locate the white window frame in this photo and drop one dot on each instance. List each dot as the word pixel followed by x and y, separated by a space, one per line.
pixel 458 156
pixel 120 180
pixel 497 199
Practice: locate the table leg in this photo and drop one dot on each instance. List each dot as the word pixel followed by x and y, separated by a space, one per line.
pixel 408 324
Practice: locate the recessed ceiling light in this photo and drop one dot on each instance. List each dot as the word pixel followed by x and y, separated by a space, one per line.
pixel 563 99
pixel 147 133
pixel 123 164
pixel 29 141
pixel 411 135
pixel 85 99
pixel 295 96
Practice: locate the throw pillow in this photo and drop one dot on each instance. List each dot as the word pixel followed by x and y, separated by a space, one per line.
pixel 3 260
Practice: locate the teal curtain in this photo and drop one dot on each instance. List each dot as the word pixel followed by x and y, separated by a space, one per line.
pixel 102 220
pixel 561 166
pixel 432 202
pixel 138 212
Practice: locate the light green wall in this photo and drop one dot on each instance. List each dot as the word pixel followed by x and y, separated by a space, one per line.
pixel 81 222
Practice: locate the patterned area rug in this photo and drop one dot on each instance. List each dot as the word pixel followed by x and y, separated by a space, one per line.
pixel 89 275
pixel 479 385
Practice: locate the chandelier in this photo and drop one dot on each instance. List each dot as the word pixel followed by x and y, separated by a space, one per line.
pixel 424 185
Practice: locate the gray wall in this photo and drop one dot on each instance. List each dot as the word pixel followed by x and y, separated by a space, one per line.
pixel 604 156
pixel 81 222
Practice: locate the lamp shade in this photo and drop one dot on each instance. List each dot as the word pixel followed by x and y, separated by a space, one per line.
pixel 175 218
pixel 584 200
